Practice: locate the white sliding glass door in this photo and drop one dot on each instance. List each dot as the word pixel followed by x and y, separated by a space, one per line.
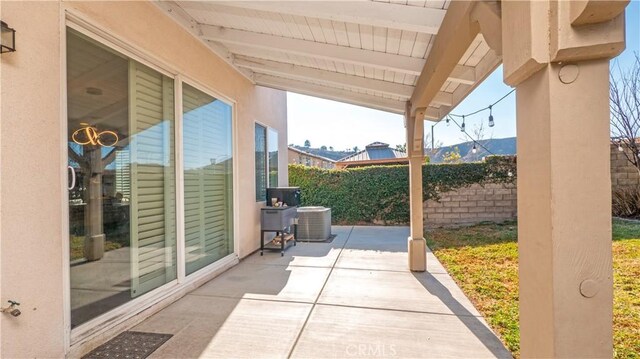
pixel 208 178
pixel 153 215
pixel 122 197
pixel 122 164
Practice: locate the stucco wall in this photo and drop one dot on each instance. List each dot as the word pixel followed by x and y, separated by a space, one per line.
pixel 471 205
pixel 32 133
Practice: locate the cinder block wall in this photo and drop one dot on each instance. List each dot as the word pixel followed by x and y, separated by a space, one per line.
pixel 623 173
pixel 498 202
pixel 471 205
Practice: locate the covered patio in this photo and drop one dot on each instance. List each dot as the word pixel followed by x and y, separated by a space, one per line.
pixel 421 58
pixel 353 297
pixel 373 291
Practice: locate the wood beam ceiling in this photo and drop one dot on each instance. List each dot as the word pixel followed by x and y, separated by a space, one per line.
pixel 388 15
pixel 456 35
pixel 350 55
pixel 329 77
pixel 336 94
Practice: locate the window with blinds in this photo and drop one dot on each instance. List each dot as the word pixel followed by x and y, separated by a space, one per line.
pixel 208 178
pixel 261 162
pixel 153 226
pixel 272 147
pixel 266 160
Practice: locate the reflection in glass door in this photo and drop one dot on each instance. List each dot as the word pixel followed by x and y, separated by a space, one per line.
pixel 122 204
pixel 208 178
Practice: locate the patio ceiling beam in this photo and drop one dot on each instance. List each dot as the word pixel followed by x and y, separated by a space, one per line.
pixel 330 77
pixel 443 98
pixel 463 74
pixel 380 60
pixel 432 113
pixel 585 12
pixel 393 16
pixel 456 35
pixel 185 20
pixel 331 93
pixel 484 68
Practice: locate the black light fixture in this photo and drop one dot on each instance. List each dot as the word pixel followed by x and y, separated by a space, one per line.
pixel 491 123
pixel 447 121
pixel 7 38
pixel 463 125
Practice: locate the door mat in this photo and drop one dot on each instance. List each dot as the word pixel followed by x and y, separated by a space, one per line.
pixel 328 240
pixel 129 345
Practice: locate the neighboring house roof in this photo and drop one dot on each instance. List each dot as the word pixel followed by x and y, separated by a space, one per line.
pixel 380 162
pixel 311 155
pixel 375 151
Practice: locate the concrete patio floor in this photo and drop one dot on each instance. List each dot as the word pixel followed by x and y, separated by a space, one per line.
pixel 353 297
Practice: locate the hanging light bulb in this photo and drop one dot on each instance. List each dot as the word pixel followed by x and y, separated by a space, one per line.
pixel 463 126
pixel 510 174
pixel 491 123
pixel 447 121
pixel 620 147
pixel 474 149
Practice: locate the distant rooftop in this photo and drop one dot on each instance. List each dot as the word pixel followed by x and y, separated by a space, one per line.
pixel 311 154
pixel 375 151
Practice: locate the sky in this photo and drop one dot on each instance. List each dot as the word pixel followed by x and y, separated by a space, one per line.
pixel 343 126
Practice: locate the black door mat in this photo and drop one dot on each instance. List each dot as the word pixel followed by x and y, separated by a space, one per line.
pixel 328 240
pixel 129 345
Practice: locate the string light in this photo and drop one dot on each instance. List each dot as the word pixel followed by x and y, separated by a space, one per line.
pixel 491 123
pixel 620 148
pixel 472 139
pixel 484 108
pixel 449 118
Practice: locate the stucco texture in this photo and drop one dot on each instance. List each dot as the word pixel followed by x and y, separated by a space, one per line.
pixel 33 159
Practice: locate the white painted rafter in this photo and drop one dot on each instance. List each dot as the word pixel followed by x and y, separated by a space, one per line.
pixel 463 74
pixel 331 93
pixel 289 63
pixel 393 16
pixel 322 76
pixel 344 54
pixel 177 13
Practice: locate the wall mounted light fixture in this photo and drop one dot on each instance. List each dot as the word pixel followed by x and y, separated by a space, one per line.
pixel 7 38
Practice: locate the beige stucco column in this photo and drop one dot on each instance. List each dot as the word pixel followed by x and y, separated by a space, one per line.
pixel 415 151
pixel 561 73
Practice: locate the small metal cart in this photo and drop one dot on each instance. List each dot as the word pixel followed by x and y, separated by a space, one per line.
pixel 280 220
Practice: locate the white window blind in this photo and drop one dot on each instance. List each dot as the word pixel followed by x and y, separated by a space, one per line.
pixel 153 231
pixel 208 178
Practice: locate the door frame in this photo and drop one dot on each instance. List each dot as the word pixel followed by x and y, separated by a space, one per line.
pixel 131 313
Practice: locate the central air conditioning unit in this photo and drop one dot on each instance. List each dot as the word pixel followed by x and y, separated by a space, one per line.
pixel 314 224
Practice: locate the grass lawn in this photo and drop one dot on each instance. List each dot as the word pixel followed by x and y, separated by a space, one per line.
pixel 483 260
pixel 77 247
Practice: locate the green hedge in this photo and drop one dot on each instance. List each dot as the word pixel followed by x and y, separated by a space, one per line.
pixel 381 193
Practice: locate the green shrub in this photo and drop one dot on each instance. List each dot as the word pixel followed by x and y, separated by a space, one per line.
pixel 381 193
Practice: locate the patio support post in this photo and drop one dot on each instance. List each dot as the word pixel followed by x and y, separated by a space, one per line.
pixel 561 73
pixel 417 247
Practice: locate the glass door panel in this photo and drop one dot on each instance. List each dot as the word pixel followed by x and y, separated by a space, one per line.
pixel 208 178
pixel 122 204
